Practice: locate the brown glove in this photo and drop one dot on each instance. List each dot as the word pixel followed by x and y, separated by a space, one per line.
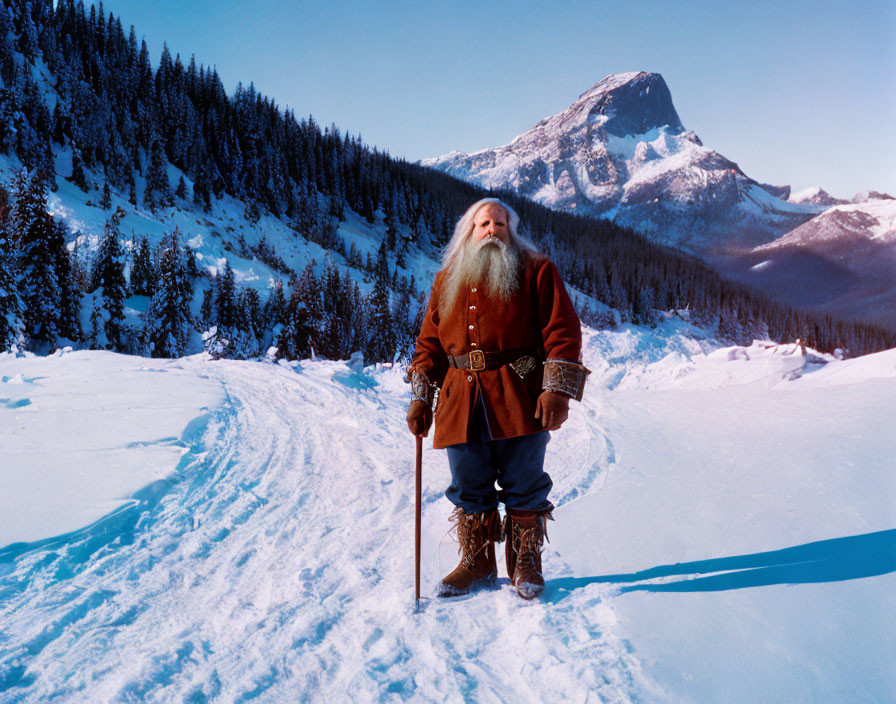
pixel 552 408
pixel 419 418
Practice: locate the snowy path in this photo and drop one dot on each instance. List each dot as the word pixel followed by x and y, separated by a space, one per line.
pixel 278 563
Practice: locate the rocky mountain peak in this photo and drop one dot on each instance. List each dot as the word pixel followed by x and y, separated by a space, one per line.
pixel 631 103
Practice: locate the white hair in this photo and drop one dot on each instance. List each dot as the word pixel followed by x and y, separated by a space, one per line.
pixel 498 268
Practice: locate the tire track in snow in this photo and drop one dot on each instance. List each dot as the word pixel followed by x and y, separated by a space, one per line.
pixel 279 560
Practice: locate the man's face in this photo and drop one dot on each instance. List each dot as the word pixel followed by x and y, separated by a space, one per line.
pixel 490 221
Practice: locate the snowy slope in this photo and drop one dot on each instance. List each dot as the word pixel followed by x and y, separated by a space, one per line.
pixel 74 460
pixel 277 563
pixel 219 236
pixel 620 151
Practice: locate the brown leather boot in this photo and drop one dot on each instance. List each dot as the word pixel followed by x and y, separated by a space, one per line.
pixel 476 533
pixel 525 532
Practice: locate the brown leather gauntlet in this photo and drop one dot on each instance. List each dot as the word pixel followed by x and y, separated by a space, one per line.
pixel 565 377
pixel 422 389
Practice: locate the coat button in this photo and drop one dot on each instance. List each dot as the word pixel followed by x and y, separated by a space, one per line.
pixel 471 327
pixel 472 290
pixel 469 378
pixel 472 307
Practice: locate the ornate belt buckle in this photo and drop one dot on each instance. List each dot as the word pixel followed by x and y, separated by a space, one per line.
pixel 477 360
pixel 523 366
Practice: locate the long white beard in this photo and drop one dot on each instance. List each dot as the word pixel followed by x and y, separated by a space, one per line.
pixel 489 263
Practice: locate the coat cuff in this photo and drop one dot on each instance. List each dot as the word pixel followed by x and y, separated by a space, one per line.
pixel 565 377
pixel 422 389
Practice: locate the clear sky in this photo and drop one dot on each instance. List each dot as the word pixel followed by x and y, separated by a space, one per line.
pixel 799 93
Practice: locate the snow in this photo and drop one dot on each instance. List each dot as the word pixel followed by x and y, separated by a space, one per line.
pixel 216 236
pixel 84 431
pixel 872 220
pixel 724 532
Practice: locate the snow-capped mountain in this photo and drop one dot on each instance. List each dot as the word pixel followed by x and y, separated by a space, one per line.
pixel 815 195
pixel 621 151
pixel 867 196
pixel 843 260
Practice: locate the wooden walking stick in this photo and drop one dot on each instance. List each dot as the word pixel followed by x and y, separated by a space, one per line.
pixel 417 518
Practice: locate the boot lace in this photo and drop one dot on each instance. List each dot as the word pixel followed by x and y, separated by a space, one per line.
pixel 472 534
pixel 529 541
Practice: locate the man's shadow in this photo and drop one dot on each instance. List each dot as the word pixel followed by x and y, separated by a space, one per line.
pixel 835 560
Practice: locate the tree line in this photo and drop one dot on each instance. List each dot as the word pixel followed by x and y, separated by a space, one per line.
pixel 49 295
pixel 125 121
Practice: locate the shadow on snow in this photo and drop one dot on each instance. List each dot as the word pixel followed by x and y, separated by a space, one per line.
pixel 835 560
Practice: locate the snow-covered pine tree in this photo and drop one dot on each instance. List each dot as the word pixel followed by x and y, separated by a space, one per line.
pixel 108 278
pixel 294 341
pixel 308 290
pixel 381 340
pixel 106 199
pixel 223 315
pixel 168 319
pixel 78 178
pixel 225 299
pixel 12 323
pixel 201 195
pixel 250 327
pixel 275 309
pixel 36 251
pixel 405 335
pixel 391 223
pixel 68 275
pixel 143 271
pixel 157 190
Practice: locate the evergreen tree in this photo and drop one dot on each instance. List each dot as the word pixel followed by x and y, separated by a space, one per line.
pixel 168 319
pixel 250 324
pixel 78 178
pixel 294 341
pixel 381 342
pixel 225 300
pixel 157 190
pixel 143 272
pixel 109 281
pixel 12 323
pixel 307 289
pixel 68 275
pixel 275 308
pixel 106 200
pixel 132 190
pixel 37 248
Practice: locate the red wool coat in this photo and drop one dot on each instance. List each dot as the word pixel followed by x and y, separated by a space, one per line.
pixel 540 314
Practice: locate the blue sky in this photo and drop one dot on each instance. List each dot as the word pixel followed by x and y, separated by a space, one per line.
pixel 795 93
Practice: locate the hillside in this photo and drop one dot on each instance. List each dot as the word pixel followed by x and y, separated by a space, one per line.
pixel 161 159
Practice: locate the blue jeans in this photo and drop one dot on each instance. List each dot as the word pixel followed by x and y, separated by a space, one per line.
pixel 517 464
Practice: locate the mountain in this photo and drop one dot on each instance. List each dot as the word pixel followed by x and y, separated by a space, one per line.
pixel 842 261
pixel 266 230
pixel 620 151
pixel 815 195
pixel 866 196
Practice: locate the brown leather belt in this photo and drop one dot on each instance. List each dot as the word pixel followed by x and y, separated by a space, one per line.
pixel 477 360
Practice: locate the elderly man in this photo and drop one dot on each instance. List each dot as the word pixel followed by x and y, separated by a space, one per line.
pixel 502 343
